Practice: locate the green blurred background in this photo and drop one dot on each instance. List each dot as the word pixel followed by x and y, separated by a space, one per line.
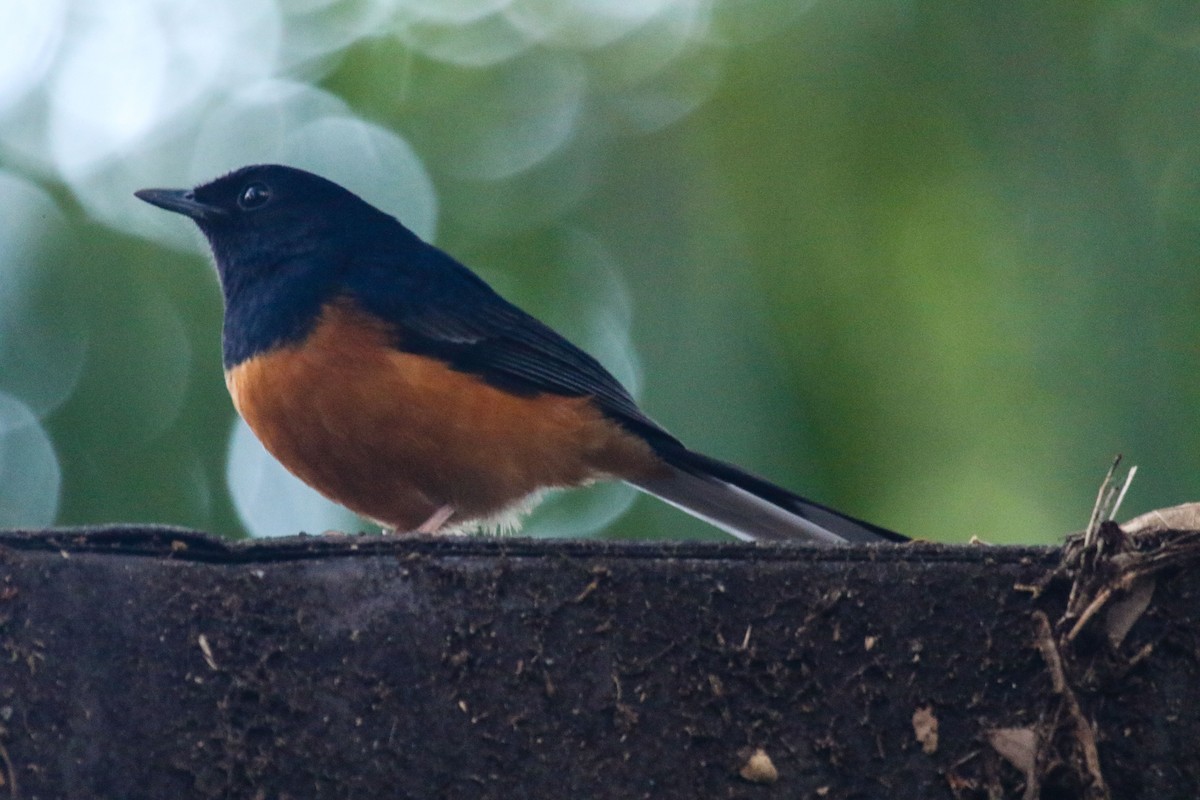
pixel 933 263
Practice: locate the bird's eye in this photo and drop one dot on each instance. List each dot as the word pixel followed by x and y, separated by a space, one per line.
pixel 255 195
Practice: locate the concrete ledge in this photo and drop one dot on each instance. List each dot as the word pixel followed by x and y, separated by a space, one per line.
pixel 140 662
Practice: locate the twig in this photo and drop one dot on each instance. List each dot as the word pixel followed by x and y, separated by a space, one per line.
pixel 1124 488
pixel 1084 734
pixel 1090 554
pixel 1121 584
pixel 12 774
pixel 1093 607
pixel 1102 497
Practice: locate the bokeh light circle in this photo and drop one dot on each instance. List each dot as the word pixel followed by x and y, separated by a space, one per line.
pixel 270 501
pixel 30 476
pixel 41 356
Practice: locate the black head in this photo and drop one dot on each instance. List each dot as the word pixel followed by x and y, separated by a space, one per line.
pixel 273 228
pixel 260 217
pixel 283 240
pixel 263 194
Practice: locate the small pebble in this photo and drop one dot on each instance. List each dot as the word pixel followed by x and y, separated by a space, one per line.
pixel 759 768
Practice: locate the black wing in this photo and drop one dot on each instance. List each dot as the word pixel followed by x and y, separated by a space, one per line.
pixel 441 309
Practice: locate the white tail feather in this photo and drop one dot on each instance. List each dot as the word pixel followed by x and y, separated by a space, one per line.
pixel 733 509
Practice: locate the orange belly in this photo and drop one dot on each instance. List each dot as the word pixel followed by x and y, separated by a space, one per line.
pixel 395 436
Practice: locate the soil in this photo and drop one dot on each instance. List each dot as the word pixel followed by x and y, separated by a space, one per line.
pixel 144 662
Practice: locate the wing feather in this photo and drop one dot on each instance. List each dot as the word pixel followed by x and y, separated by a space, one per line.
pixel 461 320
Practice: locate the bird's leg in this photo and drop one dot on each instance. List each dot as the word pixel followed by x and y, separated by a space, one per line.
pixel 436 520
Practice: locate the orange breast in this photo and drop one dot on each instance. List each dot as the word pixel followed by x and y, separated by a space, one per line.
pixel 395 436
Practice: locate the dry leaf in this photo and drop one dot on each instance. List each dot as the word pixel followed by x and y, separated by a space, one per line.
pixel 1185 517
pixel 1018 746
pixel 1123 613
pixel 925 726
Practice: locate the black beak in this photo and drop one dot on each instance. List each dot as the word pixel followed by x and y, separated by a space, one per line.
pixel 181 201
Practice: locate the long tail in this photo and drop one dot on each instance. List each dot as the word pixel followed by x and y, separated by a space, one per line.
pixel 751 508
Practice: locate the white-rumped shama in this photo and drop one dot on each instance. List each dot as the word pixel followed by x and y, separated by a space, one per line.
pixel 396 382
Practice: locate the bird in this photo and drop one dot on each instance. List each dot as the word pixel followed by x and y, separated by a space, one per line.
pixel 393 380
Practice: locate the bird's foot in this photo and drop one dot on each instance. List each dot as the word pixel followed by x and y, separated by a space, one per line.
pixel 436 520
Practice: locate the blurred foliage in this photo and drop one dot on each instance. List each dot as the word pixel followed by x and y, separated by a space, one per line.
pixel 930 263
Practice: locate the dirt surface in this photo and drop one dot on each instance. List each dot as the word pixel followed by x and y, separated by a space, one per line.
pixel 156 663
